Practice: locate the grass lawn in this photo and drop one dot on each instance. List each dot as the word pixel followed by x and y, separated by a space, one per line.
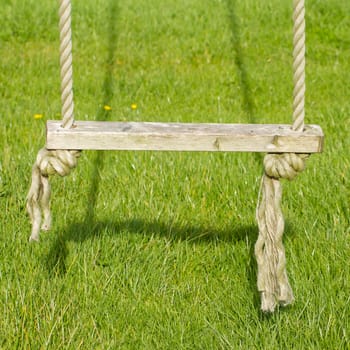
pixel 155 250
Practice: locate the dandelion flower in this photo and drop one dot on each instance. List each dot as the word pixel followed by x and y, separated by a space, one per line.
pixel 37 116
pixel 134 106
pixel 107 108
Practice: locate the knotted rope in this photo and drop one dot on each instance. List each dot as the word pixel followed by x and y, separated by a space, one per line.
pixel 269 251
pixel 50 162
pixel 47 163
pixel 272 276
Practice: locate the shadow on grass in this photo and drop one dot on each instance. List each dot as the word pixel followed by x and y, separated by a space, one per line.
pixel 243 76
pixel 90 229
pixel 102 114
pixel 242 73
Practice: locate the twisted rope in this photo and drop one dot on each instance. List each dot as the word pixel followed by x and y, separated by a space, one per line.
pixel 299 65
pixel 272 277
pixel 66 63
pixel 59 162
pixel 273 282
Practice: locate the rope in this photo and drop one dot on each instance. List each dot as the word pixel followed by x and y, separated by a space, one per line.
pixel 299 65
pixel 59 162
pixel 66 63
pixel 269 251
pixel 285 166
pixel 47 163
pixel 272 277
pixel 273 282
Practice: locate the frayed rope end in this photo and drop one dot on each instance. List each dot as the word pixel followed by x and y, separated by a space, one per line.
pixel 38 199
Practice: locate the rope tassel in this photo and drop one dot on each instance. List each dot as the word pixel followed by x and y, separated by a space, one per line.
pixel 273 282
pixel 38 199
pixel 272 276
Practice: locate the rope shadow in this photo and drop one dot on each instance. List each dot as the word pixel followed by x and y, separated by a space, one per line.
pixel 243 76
pixel 103 115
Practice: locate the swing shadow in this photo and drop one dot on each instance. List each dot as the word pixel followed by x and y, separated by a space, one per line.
pixel 247 100
pixel 80 232
pixel 90 228
pixel 248 104
pixel 102 114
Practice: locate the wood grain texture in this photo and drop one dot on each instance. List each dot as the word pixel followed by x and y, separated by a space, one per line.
pixel 272 138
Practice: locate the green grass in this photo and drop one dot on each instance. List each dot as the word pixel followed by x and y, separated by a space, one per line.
pixel 155 250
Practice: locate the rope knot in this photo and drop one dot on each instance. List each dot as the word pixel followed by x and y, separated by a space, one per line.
pixel 59 162
pixel 47 163
pixel 285 165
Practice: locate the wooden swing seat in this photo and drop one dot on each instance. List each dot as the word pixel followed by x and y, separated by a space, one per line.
pixel 149 136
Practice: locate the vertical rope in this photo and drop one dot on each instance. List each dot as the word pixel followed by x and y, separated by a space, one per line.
pixel 50 162
pixel 269 251
pixel 66 63
pixel 299 65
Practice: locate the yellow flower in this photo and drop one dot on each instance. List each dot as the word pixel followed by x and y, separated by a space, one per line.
pixel 107 108
pixel 37 116
pixel 134 106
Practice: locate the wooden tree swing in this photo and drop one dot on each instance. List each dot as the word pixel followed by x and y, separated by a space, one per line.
pixel 287 147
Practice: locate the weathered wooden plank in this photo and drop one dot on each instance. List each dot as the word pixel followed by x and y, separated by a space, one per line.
pixel 274 138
